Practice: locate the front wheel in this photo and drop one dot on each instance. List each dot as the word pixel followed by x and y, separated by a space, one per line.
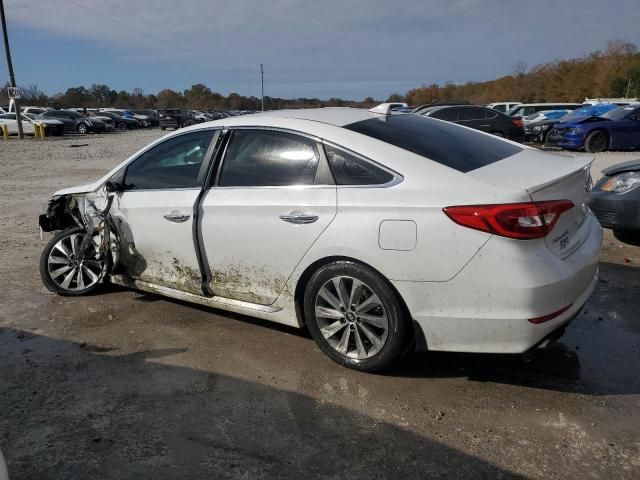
pixel 82 129
pixel 596 142
pixel 68 265
pixel 355 317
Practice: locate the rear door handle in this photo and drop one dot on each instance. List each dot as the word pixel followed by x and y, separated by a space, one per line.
pixel 299 218
pixel 177 217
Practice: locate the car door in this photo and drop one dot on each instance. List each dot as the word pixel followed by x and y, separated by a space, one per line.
pixel 272 198
pixel 632 129
pixel 474 117
pixel 154 211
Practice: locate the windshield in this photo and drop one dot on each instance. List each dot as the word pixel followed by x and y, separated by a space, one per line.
pixel 618 113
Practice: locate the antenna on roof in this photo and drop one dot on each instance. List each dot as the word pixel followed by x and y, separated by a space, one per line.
pixel 385 108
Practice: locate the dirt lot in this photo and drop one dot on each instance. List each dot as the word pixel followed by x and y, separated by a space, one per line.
pixel 129 385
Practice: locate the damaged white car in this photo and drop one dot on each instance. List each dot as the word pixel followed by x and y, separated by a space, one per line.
pixel 380 233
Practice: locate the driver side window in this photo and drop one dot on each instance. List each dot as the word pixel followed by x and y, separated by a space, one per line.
pixel 174 163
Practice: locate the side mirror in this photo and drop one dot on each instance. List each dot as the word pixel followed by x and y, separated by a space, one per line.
pixel 112 186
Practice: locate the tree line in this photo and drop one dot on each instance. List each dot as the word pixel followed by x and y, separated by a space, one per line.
pixel 614 72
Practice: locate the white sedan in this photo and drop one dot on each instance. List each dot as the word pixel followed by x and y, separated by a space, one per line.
pixel 380 233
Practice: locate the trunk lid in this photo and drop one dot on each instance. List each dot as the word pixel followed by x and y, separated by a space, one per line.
pixel 546 176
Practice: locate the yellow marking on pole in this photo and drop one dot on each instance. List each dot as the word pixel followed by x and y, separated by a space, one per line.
pixel 5 131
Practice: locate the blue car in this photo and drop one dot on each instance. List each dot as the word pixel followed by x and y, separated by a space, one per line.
pixel 617 129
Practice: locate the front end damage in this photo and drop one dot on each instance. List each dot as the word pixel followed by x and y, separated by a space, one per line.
pixel 90 212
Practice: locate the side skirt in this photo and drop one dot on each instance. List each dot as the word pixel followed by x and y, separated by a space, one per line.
pixel 252 309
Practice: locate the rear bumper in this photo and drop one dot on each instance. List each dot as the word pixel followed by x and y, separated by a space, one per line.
pixel 617 211
pixel 486 307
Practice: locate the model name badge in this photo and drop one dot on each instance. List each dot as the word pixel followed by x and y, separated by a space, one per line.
pixel 563 240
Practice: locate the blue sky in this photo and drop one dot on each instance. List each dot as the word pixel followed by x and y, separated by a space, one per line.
pixel 310 48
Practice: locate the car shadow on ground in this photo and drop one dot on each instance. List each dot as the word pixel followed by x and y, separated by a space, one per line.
pixel 598 354
pixel 76 411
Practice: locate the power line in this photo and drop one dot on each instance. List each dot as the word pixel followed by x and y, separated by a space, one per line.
pixel 117 22
pixel 150 22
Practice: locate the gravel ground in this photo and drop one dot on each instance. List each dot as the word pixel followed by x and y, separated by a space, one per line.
pixel 130 385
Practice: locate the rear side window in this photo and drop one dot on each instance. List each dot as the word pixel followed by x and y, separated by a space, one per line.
pixel 442 142
pixel 266 158
pixel 348 169
pixel 448 114
pixel 472 114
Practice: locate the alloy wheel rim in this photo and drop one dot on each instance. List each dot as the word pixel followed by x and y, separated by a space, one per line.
pixel 70 270
pixel 599 142
pixel 351 317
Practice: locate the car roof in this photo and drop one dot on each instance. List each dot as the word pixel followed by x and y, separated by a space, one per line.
pixel 337 116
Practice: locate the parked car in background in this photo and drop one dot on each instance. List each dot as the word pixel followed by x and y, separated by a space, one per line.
pixel 200 117
pixel 143 120
pixel 617 129
pixel 526 109
pixel 544 115
pixel 175 118
pixel 152 116
pixel 615 200
pixel 455 239
pixel 120 122
pixel 10 120
pixel 620 101
pixel 479 118
pixel 34 110
pixel 76 122
pixel 502 107
pixel 51 125
pixel 421 108
pixel 538 131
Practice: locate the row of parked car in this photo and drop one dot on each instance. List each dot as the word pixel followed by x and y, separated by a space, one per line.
pixel 594 126
pixel 94 120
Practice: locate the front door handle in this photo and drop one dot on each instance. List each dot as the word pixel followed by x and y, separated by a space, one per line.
pixel 177 217
pixel 299 218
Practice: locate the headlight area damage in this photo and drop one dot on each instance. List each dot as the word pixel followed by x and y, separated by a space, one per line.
pixel 85 250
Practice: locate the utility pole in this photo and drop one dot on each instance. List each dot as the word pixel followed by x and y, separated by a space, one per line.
pixel 261 82
pixel 628 87
pixel 12 78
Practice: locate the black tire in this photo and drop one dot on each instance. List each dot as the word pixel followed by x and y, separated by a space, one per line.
pixel 397 334
pixel 82 129
pixel 123 126
pixel 46 275
pixel 628 236
pixel 163 128
pixel 596 142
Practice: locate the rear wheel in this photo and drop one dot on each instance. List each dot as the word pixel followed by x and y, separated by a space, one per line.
pixel 68 265
pixel 596 142
pixel 628 236
pixel 82 129
pixel 355 317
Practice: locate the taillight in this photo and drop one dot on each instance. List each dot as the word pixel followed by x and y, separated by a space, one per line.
pixel 518 122
pixel 523 221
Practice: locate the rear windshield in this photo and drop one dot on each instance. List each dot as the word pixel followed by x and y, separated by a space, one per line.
pixel 448 144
